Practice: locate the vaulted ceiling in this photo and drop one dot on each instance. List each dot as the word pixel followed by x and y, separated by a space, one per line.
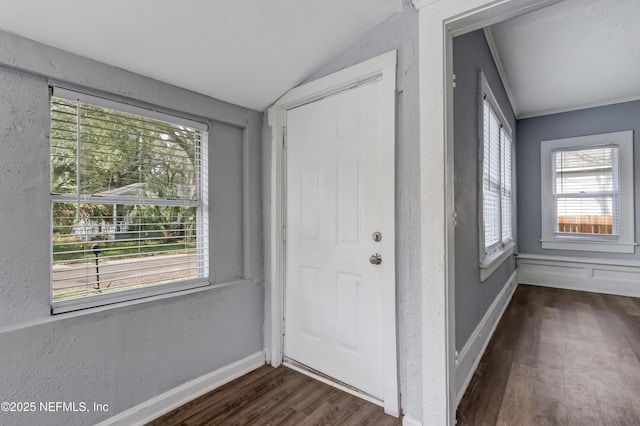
pixel 246 52
pixel 571 55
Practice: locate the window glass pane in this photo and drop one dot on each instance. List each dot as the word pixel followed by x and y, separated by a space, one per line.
pixel 505 167
pixel 573 215
pixel 485 143
pixel 494 148
pixel 491 177
pixel 126 201
pixel 63 147
pixel 102 246
pixel 585 171
pixel 121 154
pixel 491 218
pixel 586 190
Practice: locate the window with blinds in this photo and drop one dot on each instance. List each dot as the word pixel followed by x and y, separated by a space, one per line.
pixel 586 191
pixel 496 180
pixel 128 200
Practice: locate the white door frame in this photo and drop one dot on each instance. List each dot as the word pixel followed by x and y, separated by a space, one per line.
pixel 439 22
pixel 382 68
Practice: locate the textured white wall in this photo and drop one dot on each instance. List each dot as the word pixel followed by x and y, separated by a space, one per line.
pixel 123 355
pixel 24 181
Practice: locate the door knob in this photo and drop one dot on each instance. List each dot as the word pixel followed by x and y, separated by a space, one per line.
pixel 375 259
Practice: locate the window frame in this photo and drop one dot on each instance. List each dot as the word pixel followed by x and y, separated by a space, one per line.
pixel 492 258
pixel 625 242
pixel 202 209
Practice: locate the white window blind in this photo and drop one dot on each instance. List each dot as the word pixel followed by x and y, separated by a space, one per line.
pixel 505 188
pixel 491 177
pixel 586 191
pixel 128 198
pixel 496 181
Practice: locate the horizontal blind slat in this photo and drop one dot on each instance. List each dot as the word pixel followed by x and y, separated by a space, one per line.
pixel 71 95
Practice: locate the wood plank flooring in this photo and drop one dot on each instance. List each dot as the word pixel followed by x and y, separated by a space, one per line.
pixel 559 357
pixel 277 396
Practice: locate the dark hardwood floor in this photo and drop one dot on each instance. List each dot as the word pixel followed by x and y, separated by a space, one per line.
pixel 559 357
pixel 280 396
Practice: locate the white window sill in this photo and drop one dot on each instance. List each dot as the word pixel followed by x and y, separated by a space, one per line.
pixel 586 245
pixel 116 298
pixel 494 260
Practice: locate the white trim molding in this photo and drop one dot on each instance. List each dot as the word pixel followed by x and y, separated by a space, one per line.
pixel 470 355
pixel 579 245
pixel 380 68
pixel 439 22
pixel 493 262
pixel 493 48
pixel 579 107
pixel 159 405
pixel 410 421
pixel 608 276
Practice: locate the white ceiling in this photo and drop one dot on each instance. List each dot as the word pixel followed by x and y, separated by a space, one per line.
pixel 245 52
pixel 571 55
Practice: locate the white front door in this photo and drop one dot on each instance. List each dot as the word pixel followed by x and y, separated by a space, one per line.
pixel 336 190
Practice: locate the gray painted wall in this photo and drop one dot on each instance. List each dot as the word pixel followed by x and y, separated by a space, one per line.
pixel 126 354
pixel 400 32
pixel 611 118
pixel 470 55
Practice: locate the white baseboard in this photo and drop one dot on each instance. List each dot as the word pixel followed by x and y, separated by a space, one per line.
pixel 174 398
pixel 410 421
pixel 608 276
pixel 471 353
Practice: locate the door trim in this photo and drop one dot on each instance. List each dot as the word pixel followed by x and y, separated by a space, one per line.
pixel 439 21
pixel 381 68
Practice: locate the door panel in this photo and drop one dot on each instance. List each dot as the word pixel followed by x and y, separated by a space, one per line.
pixel 348 197
pixel 333 298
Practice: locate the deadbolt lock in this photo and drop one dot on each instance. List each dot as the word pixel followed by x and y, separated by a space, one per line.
pixel 375 259
pixel 377 236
